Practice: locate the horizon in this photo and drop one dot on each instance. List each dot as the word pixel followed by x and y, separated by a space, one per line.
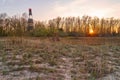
pixel 46 10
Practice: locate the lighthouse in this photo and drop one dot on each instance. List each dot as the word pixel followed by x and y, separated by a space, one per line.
pixel 30 21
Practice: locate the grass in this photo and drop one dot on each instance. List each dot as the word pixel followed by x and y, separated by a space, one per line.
pixel 81 58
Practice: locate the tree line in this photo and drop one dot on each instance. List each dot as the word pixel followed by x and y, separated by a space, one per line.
pixel 60 26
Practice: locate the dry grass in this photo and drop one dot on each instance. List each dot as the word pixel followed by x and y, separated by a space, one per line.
pixel 68 59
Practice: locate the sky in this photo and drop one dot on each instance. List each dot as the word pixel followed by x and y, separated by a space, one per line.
pixel 48 9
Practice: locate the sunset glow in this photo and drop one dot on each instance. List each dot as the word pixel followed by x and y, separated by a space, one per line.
pixel 99 14
pixel 91 31
pixel 116 29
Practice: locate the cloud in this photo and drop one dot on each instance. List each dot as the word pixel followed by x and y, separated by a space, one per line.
pixel 71 8
pixel 100 8
pixel 65 8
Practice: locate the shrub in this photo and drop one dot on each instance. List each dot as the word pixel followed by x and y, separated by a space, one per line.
pixel 2 32
pixel 40 32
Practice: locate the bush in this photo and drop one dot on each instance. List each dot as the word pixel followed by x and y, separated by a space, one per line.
pixel 75 34
pixel 62 34
pixel 2 32
pixel 40 32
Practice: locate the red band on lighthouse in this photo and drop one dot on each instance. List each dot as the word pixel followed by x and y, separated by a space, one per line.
pixel 30 11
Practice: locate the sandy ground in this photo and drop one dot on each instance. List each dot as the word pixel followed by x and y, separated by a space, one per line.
pixel 68 59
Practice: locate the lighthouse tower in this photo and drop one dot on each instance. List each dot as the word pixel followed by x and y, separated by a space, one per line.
pixel 30 21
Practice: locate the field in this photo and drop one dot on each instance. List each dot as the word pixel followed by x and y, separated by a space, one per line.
pixel 82 58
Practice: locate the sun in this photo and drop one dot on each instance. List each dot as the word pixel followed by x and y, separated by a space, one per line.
pixel 91 31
